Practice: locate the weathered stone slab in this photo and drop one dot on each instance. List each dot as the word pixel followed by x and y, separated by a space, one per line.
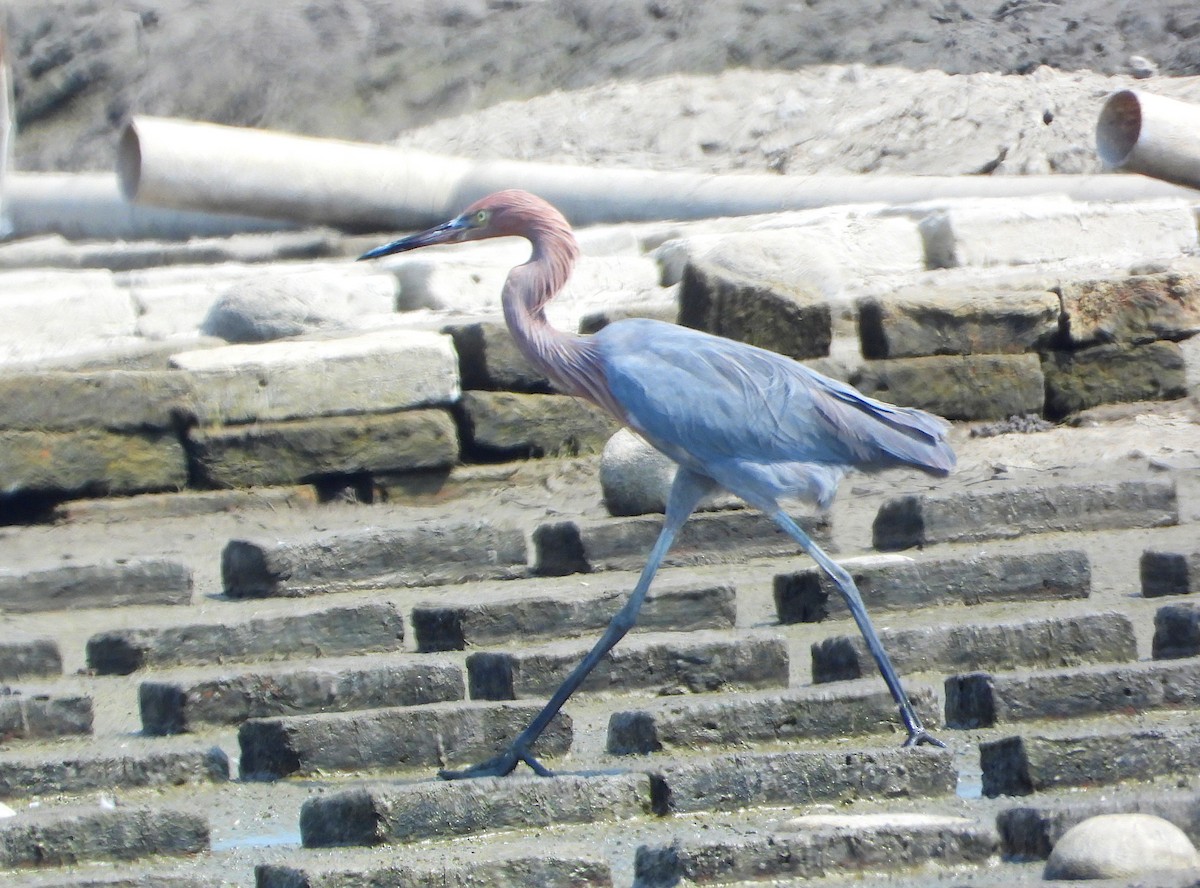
pixel 91 461
pixel 672 666
pixel 1021 765
pixel 399 737
pixel 175 707
pixel 1027 644
pixel 451 627
pixel 22 657
pixel 623 543
pixel 809 596
pixel 921 321
pixel 489 360
pixel 1025 231
pixel 43 716
pixel 33 773
pixel 116 400
pixel 425 555
pixel 980 699
pixel 1113 374
pixel 64 837
pixel 737 719
pixel 551 869
pixel 33 305
pixel 358 629
pixel 1176 631
pixel 818 845
pixel 117 584
pixel 971 386
pixel 1169 573
pixel 741 780
pixel 1134 309
pixel 925 519
pixel 277 453
pixel 387 814
pixel 513 425
pixel 377 372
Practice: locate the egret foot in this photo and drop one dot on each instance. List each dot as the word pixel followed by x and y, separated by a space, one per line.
pixel 920 735
pixel 499 766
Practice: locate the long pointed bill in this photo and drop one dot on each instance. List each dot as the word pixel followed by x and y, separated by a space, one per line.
pixel 446 233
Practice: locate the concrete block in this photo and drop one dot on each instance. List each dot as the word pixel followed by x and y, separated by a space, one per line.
pixel 35 306
pixel 489 360
pixel 117 584
pixel 980 699
pixel 91 461
pixel 1176 631
pixel 763 717
pixel 376 372
pixel 60 837
pixel 552 868
pixel 1019 644
pixel 1169 573
pixel 1025 231
pixel 115 400
pixel 1113 374
pixel 33 773
pixel 424 555
pixel 957 386
pixel 1135 309
pixel 398 814
pixel 1005 513
pixel 282 453
pixel 813 846
pixel 921 321
pixel 439 735
pixel 809 596
pixel 24 657
pixel 513 425
pixel 1020 765
pixel 44 716
pixel 692 665
pixel 172 707
pixel 732 781
pixel 355 629
pixel 452 627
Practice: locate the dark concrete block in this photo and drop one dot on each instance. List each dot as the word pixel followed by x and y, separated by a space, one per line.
pixel 30 774
pixel 670 666
pixel 1113 374
pixel 1169 573
pixel 514 425
pixel 1176 631
pixel 809 596
pixel 66 837
pixel 40 717
pixel 140 582
pixel 489 359
pixel 29 657
pixel 552 869
pixel 1029 644
pixel 1004 513
pixel 406 737
pixel 957 386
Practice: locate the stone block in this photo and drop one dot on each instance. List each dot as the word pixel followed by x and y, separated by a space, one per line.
pixel 44 716
pixel 1024 644
pixel 92 461
pixel 1020 765
pixel 452 627
pixel 22 657
pixel 552 868
pixel 422 555
pixel 763 717
pixel 34 304
pixel 115 400
pixel 732 781
pixel 28 774
pixel 60 837
pixel 399 814
pixel 280 453
pixel 1176 631
pixel 1005 513
pixel 378 372
pixel 980 699
pixel 172 707
pixel 513 425
pixel 438 735
pixel 489 360
pixel 1113 374
pixel 1132 310
pixel 1169 573
pixel 694 665
pixel 809 596
pixel 116 584
pixel 356 629
pixel 922 321
pixel 957 386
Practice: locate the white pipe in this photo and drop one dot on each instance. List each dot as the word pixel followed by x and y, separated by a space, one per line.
pixel 361 187
pixel 1149 134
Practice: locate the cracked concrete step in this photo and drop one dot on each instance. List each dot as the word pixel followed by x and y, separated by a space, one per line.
pixel 115 584
pixel 702 662
pixel 433 735
pixel 43 716
pixel 1039 643
pixel 865 707
pixel 46 770
pixel 172 707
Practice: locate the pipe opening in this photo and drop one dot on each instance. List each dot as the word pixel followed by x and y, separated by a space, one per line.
pixel 129 162
pixel 1119 128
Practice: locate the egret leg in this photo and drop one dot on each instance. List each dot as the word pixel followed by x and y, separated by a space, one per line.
pixel 917 734
pixel 686 492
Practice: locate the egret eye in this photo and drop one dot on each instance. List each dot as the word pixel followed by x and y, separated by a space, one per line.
pixel 481 218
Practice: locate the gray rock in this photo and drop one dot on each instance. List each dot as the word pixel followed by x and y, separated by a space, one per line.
pixel 1113 846
pixel 634 476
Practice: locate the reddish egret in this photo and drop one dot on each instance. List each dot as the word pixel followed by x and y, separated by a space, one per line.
pixel 732 416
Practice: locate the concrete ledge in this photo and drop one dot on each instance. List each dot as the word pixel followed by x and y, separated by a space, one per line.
pixel 551 869
pixel 63 838
pixel 1134 309
pixel 115 400
pixel 118 584
pixel 91 461
pixel 40 717
pixel 511 425
pixel 22 657
pixel 32 773
pixel 489 360
pixel 1176 631
pixel 1113 374
pixel 957 386
pixel 1169 573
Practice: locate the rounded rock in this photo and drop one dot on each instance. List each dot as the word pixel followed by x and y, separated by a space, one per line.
pixel 1113 846
pixel 634 477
